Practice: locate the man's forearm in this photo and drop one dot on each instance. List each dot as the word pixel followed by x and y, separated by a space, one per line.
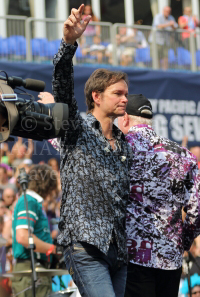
pixel 41 246
pixel 162 26
pixel 63 74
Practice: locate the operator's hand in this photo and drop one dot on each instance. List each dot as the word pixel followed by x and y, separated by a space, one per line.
pixel 45 98
pixel 74 26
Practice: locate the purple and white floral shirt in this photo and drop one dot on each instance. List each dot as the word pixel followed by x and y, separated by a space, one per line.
pixel 164 180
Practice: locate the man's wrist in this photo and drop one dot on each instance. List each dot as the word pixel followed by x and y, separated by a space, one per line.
pixel 72 42
pixel 51 250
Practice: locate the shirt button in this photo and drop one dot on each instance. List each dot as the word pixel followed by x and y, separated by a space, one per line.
pixel 138 190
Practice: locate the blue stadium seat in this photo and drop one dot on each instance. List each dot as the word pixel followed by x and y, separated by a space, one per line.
pixel 4 50
pixel 183 56
pixel 57 43
pixel 171 56
pixel 198 58
pixel 143 55
pixel 39 46
pixel 79 54
pixel 35 45
pixel 50 50
pixel 19 42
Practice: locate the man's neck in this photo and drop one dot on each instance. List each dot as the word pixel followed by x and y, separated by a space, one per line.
pixel 106 124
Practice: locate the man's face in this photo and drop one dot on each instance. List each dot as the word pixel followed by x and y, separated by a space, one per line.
pixel 8 196
pixel 187 11
pixel 114 99
pixel 196 291
pixel 166 11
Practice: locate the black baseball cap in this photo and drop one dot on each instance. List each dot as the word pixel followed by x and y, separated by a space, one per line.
pixel 139 105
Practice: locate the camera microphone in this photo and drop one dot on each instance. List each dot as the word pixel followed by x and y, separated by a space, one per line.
pixel 29 83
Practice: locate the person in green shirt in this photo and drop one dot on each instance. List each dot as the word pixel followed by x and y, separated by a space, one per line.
pixel 42 184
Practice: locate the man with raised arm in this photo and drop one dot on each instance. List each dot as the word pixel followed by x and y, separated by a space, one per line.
pixel 94 172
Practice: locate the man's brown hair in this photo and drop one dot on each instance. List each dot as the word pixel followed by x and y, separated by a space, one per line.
pixel 42 180
pixel 98 81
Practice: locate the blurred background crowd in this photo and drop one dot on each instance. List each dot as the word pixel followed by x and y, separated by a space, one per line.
pixel 158 34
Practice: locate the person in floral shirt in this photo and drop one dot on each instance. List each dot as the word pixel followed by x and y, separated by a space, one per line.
pixel 164 180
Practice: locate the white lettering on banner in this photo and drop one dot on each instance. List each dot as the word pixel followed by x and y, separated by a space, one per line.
pixel 160 124
pixel 179 126
pixel 198 108
pixel 177 106
pixel 189 128
pixel 154 103
pixel 176 126
pixel 196 121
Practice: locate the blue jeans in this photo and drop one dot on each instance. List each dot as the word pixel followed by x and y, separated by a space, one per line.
pixel 94 273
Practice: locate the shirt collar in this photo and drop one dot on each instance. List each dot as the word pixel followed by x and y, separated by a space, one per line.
pixel 35 195
pixel 93 122
pixel 135 128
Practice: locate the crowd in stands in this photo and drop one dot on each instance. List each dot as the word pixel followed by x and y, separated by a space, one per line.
pixel 20 156
pixel 135 45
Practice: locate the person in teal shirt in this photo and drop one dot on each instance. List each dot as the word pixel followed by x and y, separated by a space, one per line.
pixel 43 183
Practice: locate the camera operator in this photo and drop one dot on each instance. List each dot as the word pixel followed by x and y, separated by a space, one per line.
pixel 42 182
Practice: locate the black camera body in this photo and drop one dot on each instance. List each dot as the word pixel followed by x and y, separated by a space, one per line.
pixel 28 118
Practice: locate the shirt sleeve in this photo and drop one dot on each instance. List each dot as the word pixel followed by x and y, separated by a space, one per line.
pixel 21 216
pixel 191 225
pixel 63 90
pixel 175 23
pixel 157 21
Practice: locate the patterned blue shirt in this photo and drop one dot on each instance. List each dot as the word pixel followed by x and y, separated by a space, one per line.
pixel 94 177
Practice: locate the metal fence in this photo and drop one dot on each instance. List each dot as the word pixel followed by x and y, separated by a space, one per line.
pixel 138 46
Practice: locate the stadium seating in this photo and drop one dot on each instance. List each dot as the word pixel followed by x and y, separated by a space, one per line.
pixel 172 59
pixel 183 57
pixel 198 58
pixel 143 55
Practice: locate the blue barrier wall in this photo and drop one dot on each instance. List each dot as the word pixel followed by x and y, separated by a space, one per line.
pixel 175 97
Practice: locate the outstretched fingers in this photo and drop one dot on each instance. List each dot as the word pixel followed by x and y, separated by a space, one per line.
pixel 86 21
pixel 81 9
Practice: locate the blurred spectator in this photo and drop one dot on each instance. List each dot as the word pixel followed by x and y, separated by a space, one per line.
pixel 4 179
pixel 194 261
pixel 96 50
pixel 91 30
pixel 132 39
pixel 3 176
pixel 5 153
pixel 165 22
pixel 8 196
pixel 53 162
pixel 2 249
pixel 187 22
pixel 7 226
pixel 20 152
pixel 195 286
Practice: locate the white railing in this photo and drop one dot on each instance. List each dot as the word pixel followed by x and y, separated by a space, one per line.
pixel 31 39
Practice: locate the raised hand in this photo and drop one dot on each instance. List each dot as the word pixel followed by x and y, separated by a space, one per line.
pixel 74 26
